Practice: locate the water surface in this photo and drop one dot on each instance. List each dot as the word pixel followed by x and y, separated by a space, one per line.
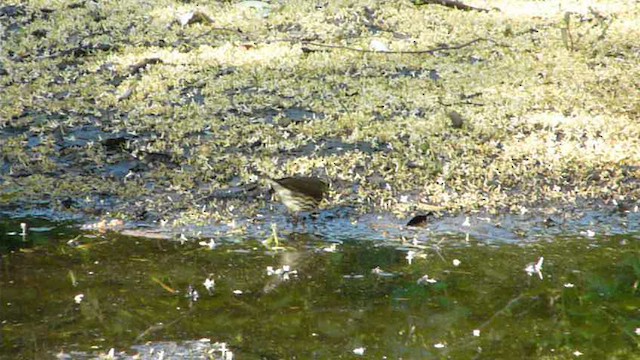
pixel 445 297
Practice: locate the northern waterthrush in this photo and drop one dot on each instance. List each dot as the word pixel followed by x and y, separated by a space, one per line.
pixel 299 193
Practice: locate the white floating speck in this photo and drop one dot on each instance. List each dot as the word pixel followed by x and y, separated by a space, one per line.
pixel 353 276
pixel 359 351
pixel 237 292
pixel 211 244
pixel 569 285
pixel 78 298
pixel 535 268
pixel 426 279
pixel 410 255
pixel 192 294
pixel 439 346
pixel 209 284
pixel 330 249
pixel 638 331
pixel 577 353
pixel 591 233
pixel 456 262
pixel 476 332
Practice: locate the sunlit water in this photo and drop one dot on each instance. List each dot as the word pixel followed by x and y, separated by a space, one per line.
pixel 447 297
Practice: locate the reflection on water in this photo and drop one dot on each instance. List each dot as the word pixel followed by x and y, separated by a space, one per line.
pixel 444 298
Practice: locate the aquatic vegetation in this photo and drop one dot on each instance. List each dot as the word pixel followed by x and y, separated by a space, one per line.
pixel 152 110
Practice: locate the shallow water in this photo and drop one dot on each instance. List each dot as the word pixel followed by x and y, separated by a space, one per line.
pixel 340 296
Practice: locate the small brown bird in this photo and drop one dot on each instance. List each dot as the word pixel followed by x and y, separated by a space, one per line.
pixel 299 193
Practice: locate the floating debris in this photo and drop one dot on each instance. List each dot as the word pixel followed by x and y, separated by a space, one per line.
pixel 568 285
pixel 476 332
pixel 163 285
pixel 74 242
pixel 224 351
pixel 183 239
pixel 78 298
pixel 284 272
pixel 426 280
pixel 359 351
pixel 456 262
pixel 353 276
pixel 535 268
pixel 209 284
pixel 439 346
pixel 104 225
pixel 410 255
pixel 331 248
pixel 211 244
pixel 380 272
pixel 192 294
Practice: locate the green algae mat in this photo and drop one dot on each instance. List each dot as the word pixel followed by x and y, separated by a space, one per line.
pixel 150 110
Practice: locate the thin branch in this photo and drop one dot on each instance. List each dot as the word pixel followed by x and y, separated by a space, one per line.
pixel 428 51
pixel 450 4
pixel 504 309
pixel 79 51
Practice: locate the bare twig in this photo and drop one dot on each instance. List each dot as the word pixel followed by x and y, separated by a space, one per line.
pixel 160 326
pixel 450 4
pixel 427 51
pixel 79 51
pixel 505 308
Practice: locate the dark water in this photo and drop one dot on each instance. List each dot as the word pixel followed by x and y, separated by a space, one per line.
pixel 334 302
